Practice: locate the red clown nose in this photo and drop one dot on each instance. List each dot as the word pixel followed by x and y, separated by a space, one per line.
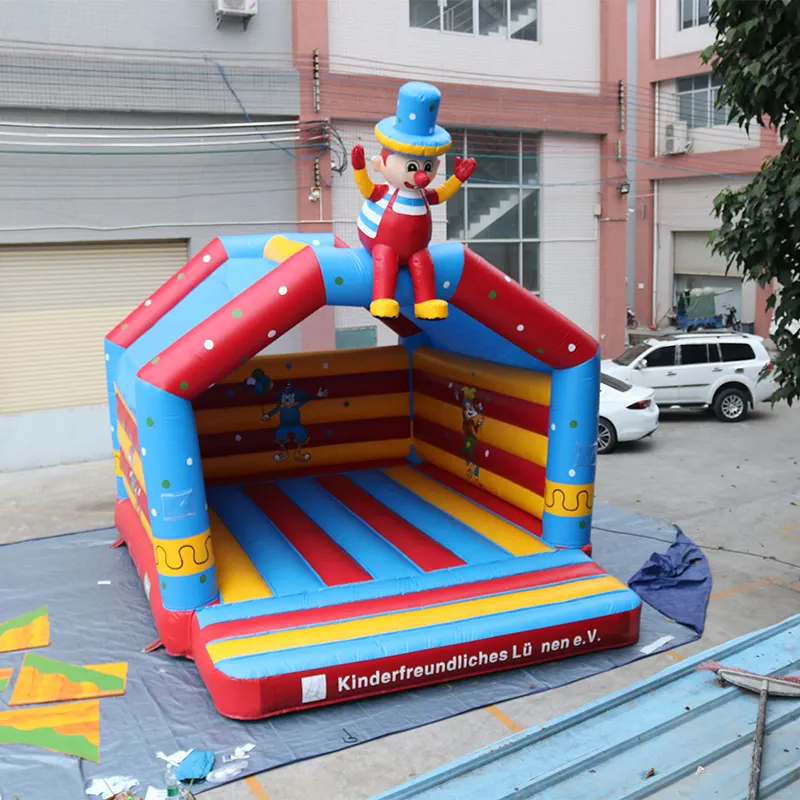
pixel 422 179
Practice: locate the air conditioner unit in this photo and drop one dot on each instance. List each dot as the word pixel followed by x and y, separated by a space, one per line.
pixel 676 138
pixel 244 9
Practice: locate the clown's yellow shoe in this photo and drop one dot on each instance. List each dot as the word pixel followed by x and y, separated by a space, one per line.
pixel 431 309
pixel 385 307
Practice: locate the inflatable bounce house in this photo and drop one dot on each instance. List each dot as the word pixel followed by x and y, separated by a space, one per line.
pixel 319 527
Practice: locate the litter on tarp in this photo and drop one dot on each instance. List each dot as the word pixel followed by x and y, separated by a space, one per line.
pixel 241 753
pixel 174 758
pixel 155 794
pixel 656 645
pixel 226 773
pixel 107 788
pixel 196 765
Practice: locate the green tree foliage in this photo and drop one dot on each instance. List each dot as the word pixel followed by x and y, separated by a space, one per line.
pixel 757 55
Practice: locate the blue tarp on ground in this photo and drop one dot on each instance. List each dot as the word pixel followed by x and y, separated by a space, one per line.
pixel 166 707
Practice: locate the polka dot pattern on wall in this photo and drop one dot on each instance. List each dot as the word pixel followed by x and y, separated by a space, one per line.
pixel 486 454
pixel 272 334
pixel 571 348
pixel 571 473
pixel 154 512
pixel 520 328
pixel 208 344
pixel 144 451
pixel 236 313
pixel 148 302
pixel 184 385
pixel 189 462
pixel 553 427
pixel 282 290
pixel 446 285
pixel 206 258
pixel 108 357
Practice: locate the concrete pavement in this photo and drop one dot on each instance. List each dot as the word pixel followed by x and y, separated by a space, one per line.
pixel 733 488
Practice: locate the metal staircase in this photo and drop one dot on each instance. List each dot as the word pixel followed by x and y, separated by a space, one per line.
pixel 487 208
pixel 508 29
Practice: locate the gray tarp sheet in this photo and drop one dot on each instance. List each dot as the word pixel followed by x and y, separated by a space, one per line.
pixel 166 706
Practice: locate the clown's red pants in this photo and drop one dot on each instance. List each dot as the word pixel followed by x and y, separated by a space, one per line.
pixel 386 266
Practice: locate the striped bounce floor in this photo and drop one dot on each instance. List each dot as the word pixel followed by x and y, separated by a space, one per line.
pixel 342 585
pixel 302 534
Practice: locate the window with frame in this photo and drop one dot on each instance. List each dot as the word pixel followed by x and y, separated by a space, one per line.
pixel 697 101
pixel 661 357
pixel 736 351
pixel 693 13
pixel 508 19
pixel 496 213
pixel 694 354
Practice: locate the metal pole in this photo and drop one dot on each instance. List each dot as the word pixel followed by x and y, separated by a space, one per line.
pixel 758 743
pixel 632 72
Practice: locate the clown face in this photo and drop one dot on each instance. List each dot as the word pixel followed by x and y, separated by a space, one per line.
pixel 406 172
pixel 469 410
pixel 288 398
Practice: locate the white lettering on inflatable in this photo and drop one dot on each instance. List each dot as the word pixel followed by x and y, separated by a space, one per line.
pixel 459 663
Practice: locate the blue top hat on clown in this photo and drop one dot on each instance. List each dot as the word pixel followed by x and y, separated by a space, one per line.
pixel 395 221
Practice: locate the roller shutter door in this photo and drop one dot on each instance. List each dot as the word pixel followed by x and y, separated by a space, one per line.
pixel 57 302
pixel 693 255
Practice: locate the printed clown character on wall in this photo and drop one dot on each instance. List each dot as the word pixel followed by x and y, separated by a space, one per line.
pixel 290 430
pixel 471 422
pixel 395 221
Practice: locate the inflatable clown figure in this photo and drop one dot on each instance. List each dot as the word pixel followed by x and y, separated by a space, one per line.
pixel 395 221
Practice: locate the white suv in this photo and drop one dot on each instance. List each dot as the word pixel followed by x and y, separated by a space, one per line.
pixel 727 371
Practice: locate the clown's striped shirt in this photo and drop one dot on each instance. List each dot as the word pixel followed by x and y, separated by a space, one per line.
pixel 409 203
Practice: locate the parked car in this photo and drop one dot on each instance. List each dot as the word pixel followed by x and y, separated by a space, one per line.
pixel 627 413
pixel 727 372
